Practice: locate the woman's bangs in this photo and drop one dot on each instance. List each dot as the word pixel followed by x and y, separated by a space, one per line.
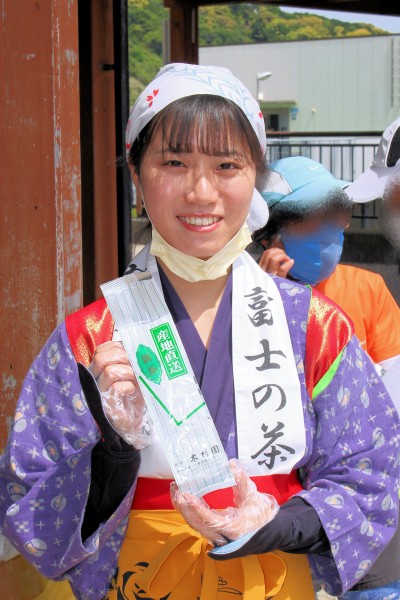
pixel 210 123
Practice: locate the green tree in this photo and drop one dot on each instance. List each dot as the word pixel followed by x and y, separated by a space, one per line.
pixel 223 24
pixel 145 26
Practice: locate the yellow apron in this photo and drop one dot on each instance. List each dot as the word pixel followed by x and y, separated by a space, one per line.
pixel 56 590
pixel 162 557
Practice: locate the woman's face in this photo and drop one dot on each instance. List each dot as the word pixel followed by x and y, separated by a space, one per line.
pixel 197 202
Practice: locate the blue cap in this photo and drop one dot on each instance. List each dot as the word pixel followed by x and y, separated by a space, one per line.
pixel 298 178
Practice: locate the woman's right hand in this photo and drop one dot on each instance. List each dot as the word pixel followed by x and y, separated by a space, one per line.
pixel 112 369
pixel 121 397
pixel 276 262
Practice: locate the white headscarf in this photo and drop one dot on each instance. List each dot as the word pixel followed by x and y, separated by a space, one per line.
pixel 178 80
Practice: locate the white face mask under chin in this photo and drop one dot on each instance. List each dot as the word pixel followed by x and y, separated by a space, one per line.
pixel 391 227
pixel 195 269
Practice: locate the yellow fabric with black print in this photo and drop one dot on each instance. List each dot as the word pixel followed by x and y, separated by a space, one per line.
pixel 162 557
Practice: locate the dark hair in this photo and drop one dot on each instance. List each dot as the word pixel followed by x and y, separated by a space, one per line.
pixel 216 122
pixel 290 212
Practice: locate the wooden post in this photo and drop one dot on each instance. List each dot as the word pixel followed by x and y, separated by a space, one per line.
pixel 184 31
pixel 40 228
pixel 104 146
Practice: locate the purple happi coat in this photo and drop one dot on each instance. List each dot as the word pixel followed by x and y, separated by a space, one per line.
pixel 349 470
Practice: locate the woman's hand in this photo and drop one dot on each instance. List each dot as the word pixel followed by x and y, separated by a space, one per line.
pixel 252 510
pixel 121 397
pixel 276 262
pixel 112 369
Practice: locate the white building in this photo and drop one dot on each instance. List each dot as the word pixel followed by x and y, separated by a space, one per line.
pixel 338 85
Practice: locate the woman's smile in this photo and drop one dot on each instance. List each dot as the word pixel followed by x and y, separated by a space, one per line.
pixel 200 223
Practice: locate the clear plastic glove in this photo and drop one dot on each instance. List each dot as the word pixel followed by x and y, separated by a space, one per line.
pixel 276 261
pixel 128 415
pixel 252 510
pixel 112 369
pixel 121 398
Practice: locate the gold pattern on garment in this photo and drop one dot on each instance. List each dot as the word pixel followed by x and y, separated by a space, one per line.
pixel 93 328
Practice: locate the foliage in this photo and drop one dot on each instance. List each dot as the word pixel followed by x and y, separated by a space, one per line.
pixel 223 24
pixel 244 23
pixel 145 19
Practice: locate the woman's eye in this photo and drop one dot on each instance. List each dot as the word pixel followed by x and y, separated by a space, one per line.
pixel 173 163
pixel 226 166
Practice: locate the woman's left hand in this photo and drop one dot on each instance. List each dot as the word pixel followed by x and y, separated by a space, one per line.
pixel 252 510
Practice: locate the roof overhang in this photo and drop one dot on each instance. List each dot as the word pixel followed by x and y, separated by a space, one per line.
pixel 359 6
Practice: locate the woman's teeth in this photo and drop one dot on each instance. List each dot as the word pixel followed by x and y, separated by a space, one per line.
pixel 199 220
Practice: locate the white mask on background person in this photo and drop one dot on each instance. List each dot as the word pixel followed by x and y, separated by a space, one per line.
pixel 391 226
pixel 390 217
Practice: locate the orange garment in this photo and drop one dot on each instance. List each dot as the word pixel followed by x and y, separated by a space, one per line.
pixel 163 557
pixel 366 299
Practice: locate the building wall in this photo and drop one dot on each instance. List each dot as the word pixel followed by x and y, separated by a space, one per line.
pixel 337 85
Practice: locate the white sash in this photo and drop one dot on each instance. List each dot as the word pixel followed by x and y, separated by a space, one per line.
pixel 269 411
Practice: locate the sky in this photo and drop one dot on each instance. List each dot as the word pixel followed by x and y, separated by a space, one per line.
pixel 391 24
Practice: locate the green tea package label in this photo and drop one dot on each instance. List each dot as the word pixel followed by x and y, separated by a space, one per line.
pixel 175 402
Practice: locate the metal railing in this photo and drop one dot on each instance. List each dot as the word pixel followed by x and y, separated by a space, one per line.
pixel 345 160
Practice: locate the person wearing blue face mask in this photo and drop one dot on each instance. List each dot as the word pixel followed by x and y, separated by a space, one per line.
pixel 309 212
pixel 315 254
pixel 303 241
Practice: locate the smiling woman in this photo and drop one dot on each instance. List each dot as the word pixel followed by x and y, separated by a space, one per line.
pixel 272 359
pixel 191 181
